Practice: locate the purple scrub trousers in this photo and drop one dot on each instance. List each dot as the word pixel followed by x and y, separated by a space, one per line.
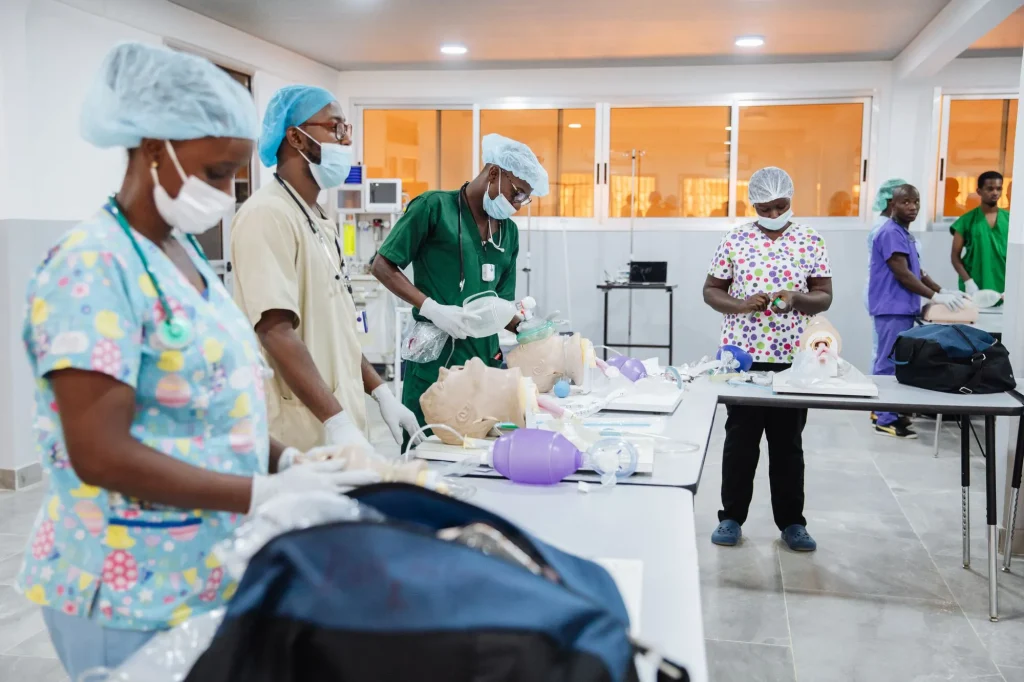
pixel 887 328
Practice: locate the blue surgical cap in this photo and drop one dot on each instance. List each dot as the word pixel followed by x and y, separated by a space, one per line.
pixel 885 193
pixel 517 159
pixel 144 91
pixel 290 106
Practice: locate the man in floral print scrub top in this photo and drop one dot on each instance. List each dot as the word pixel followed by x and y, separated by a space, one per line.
pixel 767 278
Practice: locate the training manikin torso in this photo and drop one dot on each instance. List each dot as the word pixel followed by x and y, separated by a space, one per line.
pixel 548 360
pixel 473 398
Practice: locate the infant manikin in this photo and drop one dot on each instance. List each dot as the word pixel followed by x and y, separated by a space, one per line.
pixel 415 472
pixel 473 398
pixel 548 360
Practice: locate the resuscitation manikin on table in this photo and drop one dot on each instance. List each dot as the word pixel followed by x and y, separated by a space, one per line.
pixel 473 398
pixel 818 361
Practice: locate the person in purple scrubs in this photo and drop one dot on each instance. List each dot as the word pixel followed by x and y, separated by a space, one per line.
pixel 896 285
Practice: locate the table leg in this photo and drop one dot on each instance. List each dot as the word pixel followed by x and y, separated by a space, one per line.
pixel 670 320
pixel 1011 512
pixel 605 342
pixel 938 429
pixel 965 491
pixel 990 503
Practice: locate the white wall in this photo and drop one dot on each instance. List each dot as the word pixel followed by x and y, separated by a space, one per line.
pixel 49 178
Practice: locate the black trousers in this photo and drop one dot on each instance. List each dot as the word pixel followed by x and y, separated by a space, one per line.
pixel 784 429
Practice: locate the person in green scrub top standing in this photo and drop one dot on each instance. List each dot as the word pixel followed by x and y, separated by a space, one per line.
pixel 979 239
pixel 460 243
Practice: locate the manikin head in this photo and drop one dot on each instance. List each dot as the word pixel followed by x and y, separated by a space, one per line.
pixel 548 360
pixel 473 398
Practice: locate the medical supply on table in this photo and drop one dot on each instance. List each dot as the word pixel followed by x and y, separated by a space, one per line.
pixel 631 368
pixel 965 313
pixel 541 457
pixel 729 353
pixel 562 388
pixel 986 298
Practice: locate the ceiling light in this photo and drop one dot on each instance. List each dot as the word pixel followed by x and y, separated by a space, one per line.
pixel 749 41
pixel 575 125
pixel 728 142
pixel 728 127
pixel 453 49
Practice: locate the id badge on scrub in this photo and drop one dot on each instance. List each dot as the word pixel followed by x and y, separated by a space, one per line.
pixel 488 272
pixel 362 326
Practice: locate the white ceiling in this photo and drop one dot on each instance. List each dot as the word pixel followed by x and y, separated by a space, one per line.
pixel 389 34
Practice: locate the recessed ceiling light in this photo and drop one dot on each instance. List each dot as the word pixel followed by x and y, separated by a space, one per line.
pixel 728 142
pixel 453 49
pixel 575 125
pixel 728 127
pixel 749 41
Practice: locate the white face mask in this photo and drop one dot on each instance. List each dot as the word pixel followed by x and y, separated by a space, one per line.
pixel 773 224
pixel 198 206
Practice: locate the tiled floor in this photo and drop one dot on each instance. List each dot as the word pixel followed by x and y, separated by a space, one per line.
pixel 884 598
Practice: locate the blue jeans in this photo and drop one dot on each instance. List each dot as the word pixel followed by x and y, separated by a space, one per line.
pixel 82 644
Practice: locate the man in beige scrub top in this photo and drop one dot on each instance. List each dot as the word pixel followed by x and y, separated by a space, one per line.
pixel 290 279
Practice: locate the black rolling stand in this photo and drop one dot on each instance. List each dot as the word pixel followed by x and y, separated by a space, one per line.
pixel 667 288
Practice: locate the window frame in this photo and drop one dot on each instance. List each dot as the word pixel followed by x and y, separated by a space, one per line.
pixel 602 151
pixel 545 104
pixel 942 158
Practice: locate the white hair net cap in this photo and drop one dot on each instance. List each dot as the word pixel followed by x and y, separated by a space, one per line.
pixel 769 184
pixel 517 159
pixel 144 91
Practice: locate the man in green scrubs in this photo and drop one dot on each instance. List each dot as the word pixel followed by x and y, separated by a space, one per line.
pixel 460 243
pixel 979 239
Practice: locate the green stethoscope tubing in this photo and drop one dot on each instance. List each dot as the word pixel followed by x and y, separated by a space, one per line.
pixel 175 333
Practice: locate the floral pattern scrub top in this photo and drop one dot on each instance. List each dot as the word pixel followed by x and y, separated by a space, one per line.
pixel 123 562
pixel 756 264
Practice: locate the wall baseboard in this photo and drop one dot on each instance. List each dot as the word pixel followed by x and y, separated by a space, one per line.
pixel 16 479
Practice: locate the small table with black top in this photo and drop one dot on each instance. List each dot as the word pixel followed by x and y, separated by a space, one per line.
pixel 608 287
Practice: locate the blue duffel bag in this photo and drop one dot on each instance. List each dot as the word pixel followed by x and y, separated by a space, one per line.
pixel 388 601
pixel 953 358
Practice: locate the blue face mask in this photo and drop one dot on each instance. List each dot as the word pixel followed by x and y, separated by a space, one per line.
pixel 335 163
pixel 774 224
pixel 499 208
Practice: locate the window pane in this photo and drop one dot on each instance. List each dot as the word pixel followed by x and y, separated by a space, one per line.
pixel 819 145
pixel 981 138
pixel 404 144
pixel 563 140
pixel 456 148
pixel 682 164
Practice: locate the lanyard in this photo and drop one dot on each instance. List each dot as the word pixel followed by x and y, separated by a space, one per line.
pixel 175 333
pixel 462 264
pixel 340 273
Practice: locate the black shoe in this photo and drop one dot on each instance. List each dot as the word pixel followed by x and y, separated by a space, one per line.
pixel 904 420
pixel 895 430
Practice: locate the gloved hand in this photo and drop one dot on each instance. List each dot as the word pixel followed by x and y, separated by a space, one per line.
pixel 955 292
pixel 328 477
pixel 449 318
pixel 951 301
pixel 971 287
pixel 341 431
pixel 397 416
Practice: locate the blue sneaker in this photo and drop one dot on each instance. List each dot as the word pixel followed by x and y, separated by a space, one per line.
pixel 798 539
pixel 727 534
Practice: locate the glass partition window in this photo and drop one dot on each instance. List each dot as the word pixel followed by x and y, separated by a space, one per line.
pixel 428 149
pixel 681 157
pixel 981 137
pixel 563 140
pixel 819 145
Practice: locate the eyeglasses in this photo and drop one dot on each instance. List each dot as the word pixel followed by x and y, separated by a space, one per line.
pixel 518 196
pixel 342 131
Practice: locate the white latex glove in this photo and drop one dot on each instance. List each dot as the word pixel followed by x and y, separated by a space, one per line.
pixel 328 477
pixel 397 416
pixel 955 292
pixel 342 431
pixel 971 287
pixel 449 318
pixel 951 301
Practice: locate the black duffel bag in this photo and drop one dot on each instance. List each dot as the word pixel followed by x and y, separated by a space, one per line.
pixel 953 358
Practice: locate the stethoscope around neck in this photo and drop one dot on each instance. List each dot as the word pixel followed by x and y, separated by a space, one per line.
pixel 462 261
pixel 340 273
pixel 174 333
